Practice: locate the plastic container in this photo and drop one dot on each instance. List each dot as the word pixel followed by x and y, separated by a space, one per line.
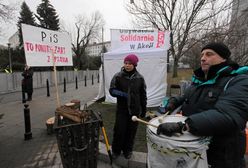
pixel 185 150
pixel 78 142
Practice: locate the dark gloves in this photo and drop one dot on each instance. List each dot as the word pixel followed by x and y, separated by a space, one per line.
pixel 170 128
pixel 142 115
pixel 116 93
pixel 169 107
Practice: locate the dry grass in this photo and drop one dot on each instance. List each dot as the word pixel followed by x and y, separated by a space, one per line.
pixel 183 74
pixel 108 113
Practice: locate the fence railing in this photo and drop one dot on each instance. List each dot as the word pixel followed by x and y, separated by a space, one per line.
pixel 12 82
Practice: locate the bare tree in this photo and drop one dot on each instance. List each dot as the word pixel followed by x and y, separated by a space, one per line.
pixel 218 31
pixel 192 56
pixel 232 30
pixel 87 29
pixel 6 13
pixel 185 19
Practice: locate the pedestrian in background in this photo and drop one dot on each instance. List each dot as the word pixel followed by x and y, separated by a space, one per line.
pixel 129 87
pixel 215 105
pixel 27 82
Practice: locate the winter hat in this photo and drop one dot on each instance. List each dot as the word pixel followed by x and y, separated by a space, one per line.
pixel 219 48
pixel 131 58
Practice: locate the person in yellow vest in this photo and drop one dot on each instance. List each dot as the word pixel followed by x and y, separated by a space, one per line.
pixel 7 70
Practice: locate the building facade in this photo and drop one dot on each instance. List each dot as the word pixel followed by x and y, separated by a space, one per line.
pixel 95 49
pixel 14 40
pixel 239 31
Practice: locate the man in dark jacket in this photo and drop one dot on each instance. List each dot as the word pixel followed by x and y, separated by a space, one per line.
pixel 215 105
pixel 129 87
pixel 27 82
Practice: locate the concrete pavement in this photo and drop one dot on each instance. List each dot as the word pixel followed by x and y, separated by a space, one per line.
pixel 42 149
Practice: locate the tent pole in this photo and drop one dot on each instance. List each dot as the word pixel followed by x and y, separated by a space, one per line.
pixel 103 77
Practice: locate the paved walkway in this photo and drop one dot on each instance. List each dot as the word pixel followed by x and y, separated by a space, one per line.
pixel 42 149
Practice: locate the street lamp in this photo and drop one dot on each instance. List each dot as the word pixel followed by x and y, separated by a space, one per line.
pixel 10 60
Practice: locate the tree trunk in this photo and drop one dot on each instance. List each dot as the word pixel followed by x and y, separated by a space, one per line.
pixel 174 73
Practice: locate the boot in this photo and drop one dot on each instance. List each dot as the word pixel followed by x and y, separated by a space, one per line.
pixel 128 155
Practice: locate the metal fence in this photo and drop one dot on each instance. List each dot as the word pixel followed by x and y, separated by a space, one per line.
pixel 12 82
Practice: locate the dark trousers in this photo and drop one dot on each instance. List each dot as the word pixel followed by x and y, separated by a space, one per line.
pixel 227 151
pixel 29 95
pixel 124 133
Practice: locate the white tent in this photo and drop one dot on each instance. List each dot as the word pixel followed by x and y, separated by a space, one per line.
pixel 152 65
pixel 151 48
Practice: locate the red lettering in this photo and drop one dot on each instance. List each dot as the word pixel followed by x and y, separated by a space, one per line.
pixel 160 41
pixel 48 58
pixel 136 37
pixel 29 46
pixel 58 59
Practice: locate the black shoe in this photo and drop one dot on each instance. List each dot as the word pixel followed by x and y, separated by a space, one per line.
pixel 115 155
pixel 128 155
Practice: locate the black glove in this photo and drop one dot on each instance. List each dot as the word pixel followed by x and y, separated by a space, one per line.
pixel 170 128
pixel 169 107
pixel 142 115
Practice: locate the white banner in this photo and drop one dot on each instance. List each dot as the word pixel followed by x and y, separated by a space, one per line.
pixel 123 39
pixel 38 45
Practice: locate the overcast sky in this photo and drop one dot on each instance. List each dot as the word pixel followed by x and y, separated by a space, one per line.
pixel 113 12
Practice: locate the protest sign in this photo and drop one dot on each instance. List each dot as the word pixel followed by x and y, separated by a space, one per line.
pixel 40 43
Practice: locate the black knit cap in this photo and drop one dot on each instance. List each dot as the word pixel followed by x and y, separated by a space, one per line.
pixel 219 48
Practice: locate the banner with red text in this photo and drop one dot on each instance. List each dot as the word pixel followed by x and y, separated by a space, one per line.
pixel 124 39
pixel 39 43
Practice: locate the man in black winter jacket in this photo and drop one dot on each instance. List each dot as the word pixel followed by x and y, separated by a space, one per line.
pixel 27 82
pixel 215 105
pixel 129 87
